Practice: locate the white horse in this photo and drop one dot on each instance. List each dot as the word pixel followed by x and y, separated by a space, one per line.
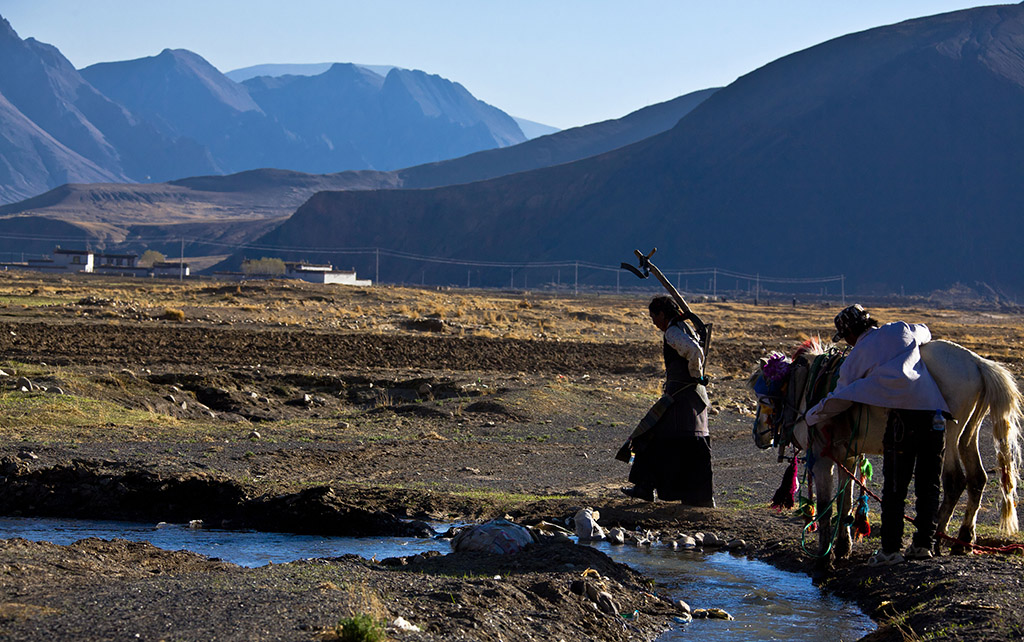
pixel 972 387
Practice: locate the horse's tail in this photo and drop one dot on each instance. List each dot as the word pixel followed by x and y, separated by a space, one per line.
pixel 1003 400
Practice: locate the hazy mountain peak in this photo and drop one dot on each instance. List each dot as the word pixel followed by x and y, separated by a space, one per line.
pixel 160 84
pixel 7 31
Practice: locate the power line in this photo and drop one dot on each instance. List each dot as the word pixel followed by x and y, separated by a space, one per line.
pixel 439 260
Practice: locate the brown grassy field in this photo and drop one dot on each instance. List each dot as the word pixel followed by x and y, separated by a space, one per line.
pixel 444 404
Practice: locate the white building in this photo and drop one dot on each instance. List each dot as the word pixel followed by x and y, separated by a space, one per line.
pixel 323 274
pixel 163 269
pixel 72 260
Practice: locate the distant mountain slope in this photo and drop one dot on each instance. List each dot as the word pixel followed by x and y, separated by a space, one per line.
pixel 350 117
pixel 344 118
pixel 278 69
pixel 31 160
pixel 187 97
pixel 52 97
pixel 299 69
pixel 535 130
pixel 174 115
pixel 893 156
pixel 563 147
pixel 275 194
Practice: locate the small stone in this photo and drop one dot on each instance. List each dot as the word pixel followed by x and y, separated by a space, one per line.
pixel 24 383
pixel 195 523
pixel 171 399
pixel 712 541
pixel 57 390
pixel 687 542
pixel 606 603
pixel 683 606
pixel 254 435
pixel 736 545
pixel 617 536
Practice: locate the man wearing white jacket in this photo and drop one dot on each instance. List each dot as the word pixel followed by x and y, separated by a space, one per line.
pixel 885 369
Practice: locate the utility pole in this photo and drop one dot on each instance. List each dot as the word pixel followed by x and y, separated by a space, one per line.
pixel 576 282
pixel 842 284
pixel 181 261
pixel 376 278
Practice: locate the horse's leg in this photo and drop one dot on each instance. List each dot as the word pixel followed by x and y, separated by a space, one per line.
pixel 824 476
pixel 976 480
pixel 844 505
pixel 953 479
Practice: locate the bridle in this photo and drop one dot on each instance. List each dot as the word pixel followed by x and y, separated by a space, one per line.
pixel 771 407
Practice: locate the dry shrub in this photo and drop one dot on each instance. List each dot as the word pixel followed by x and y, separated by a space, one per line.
pixel 174 314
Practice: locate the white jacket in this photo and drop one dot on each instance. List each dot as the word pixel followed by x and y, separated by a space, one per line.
pixel 884 369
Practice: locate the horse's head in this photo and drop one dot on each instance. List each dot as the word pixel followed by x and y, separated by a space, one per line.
pixel 777 400
pixel 768 383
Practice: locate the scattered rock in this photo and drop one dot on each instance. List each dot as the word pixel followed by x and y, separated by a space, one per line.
pixel 606 603
pixel 24 384
pixel 736 545
pixel 403 624
pixel 711 614
pixel 617 536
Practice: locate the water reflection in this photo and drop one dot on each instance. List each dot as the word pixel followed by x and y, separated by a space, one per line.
pixel 768 604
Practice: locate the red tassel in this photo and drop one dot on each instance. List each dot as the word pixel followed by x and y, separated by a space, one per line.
pixel 785 496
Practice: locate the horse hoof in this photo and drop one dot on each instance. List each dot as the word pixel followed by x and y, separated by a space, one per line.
pixel 959 549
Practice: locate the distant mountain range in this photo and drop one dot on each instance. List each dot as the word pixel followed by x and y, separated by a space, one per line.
pixel 241 207
pixel 174 115
pixel 530 128
pixel 893 156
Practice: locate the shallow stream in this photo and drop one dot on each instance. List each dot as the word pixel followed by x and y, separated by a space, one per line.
pixel 768 604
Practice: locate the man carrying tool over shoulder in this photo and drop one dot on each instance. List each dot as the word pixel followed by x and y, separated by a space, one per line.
pixel 672 445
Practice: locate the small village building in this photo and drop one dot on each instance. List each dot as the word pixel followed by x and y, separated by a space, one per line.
pixel 73 260
pixel 163 269
pixel 323 274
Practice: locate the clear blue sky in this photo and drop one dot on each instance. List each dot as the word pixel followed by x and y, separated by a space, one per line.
pixel 559 62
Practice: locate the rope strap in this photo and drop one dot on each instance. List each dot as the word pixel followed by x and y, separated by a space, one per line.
pixel 977 548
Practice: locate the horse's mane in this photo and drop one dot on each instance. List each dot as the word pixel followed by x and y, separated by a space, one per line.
pixel 812 347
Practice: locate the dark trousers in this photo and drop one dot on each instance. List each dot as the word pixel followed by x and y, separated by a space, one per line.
pixel 911 448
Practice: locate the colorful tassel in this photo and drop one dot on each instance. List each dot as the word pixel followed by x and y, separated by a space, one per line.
pixel 861 525
pixel 806 511
pixel 866 470
pixel 785 496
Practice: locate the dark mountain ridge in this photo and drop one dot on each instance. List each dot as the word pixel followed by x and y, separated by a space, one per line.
pixel 892 156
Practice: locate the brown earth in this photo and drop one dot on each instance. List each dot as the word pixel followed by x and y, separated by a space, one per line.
pixel 301 422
